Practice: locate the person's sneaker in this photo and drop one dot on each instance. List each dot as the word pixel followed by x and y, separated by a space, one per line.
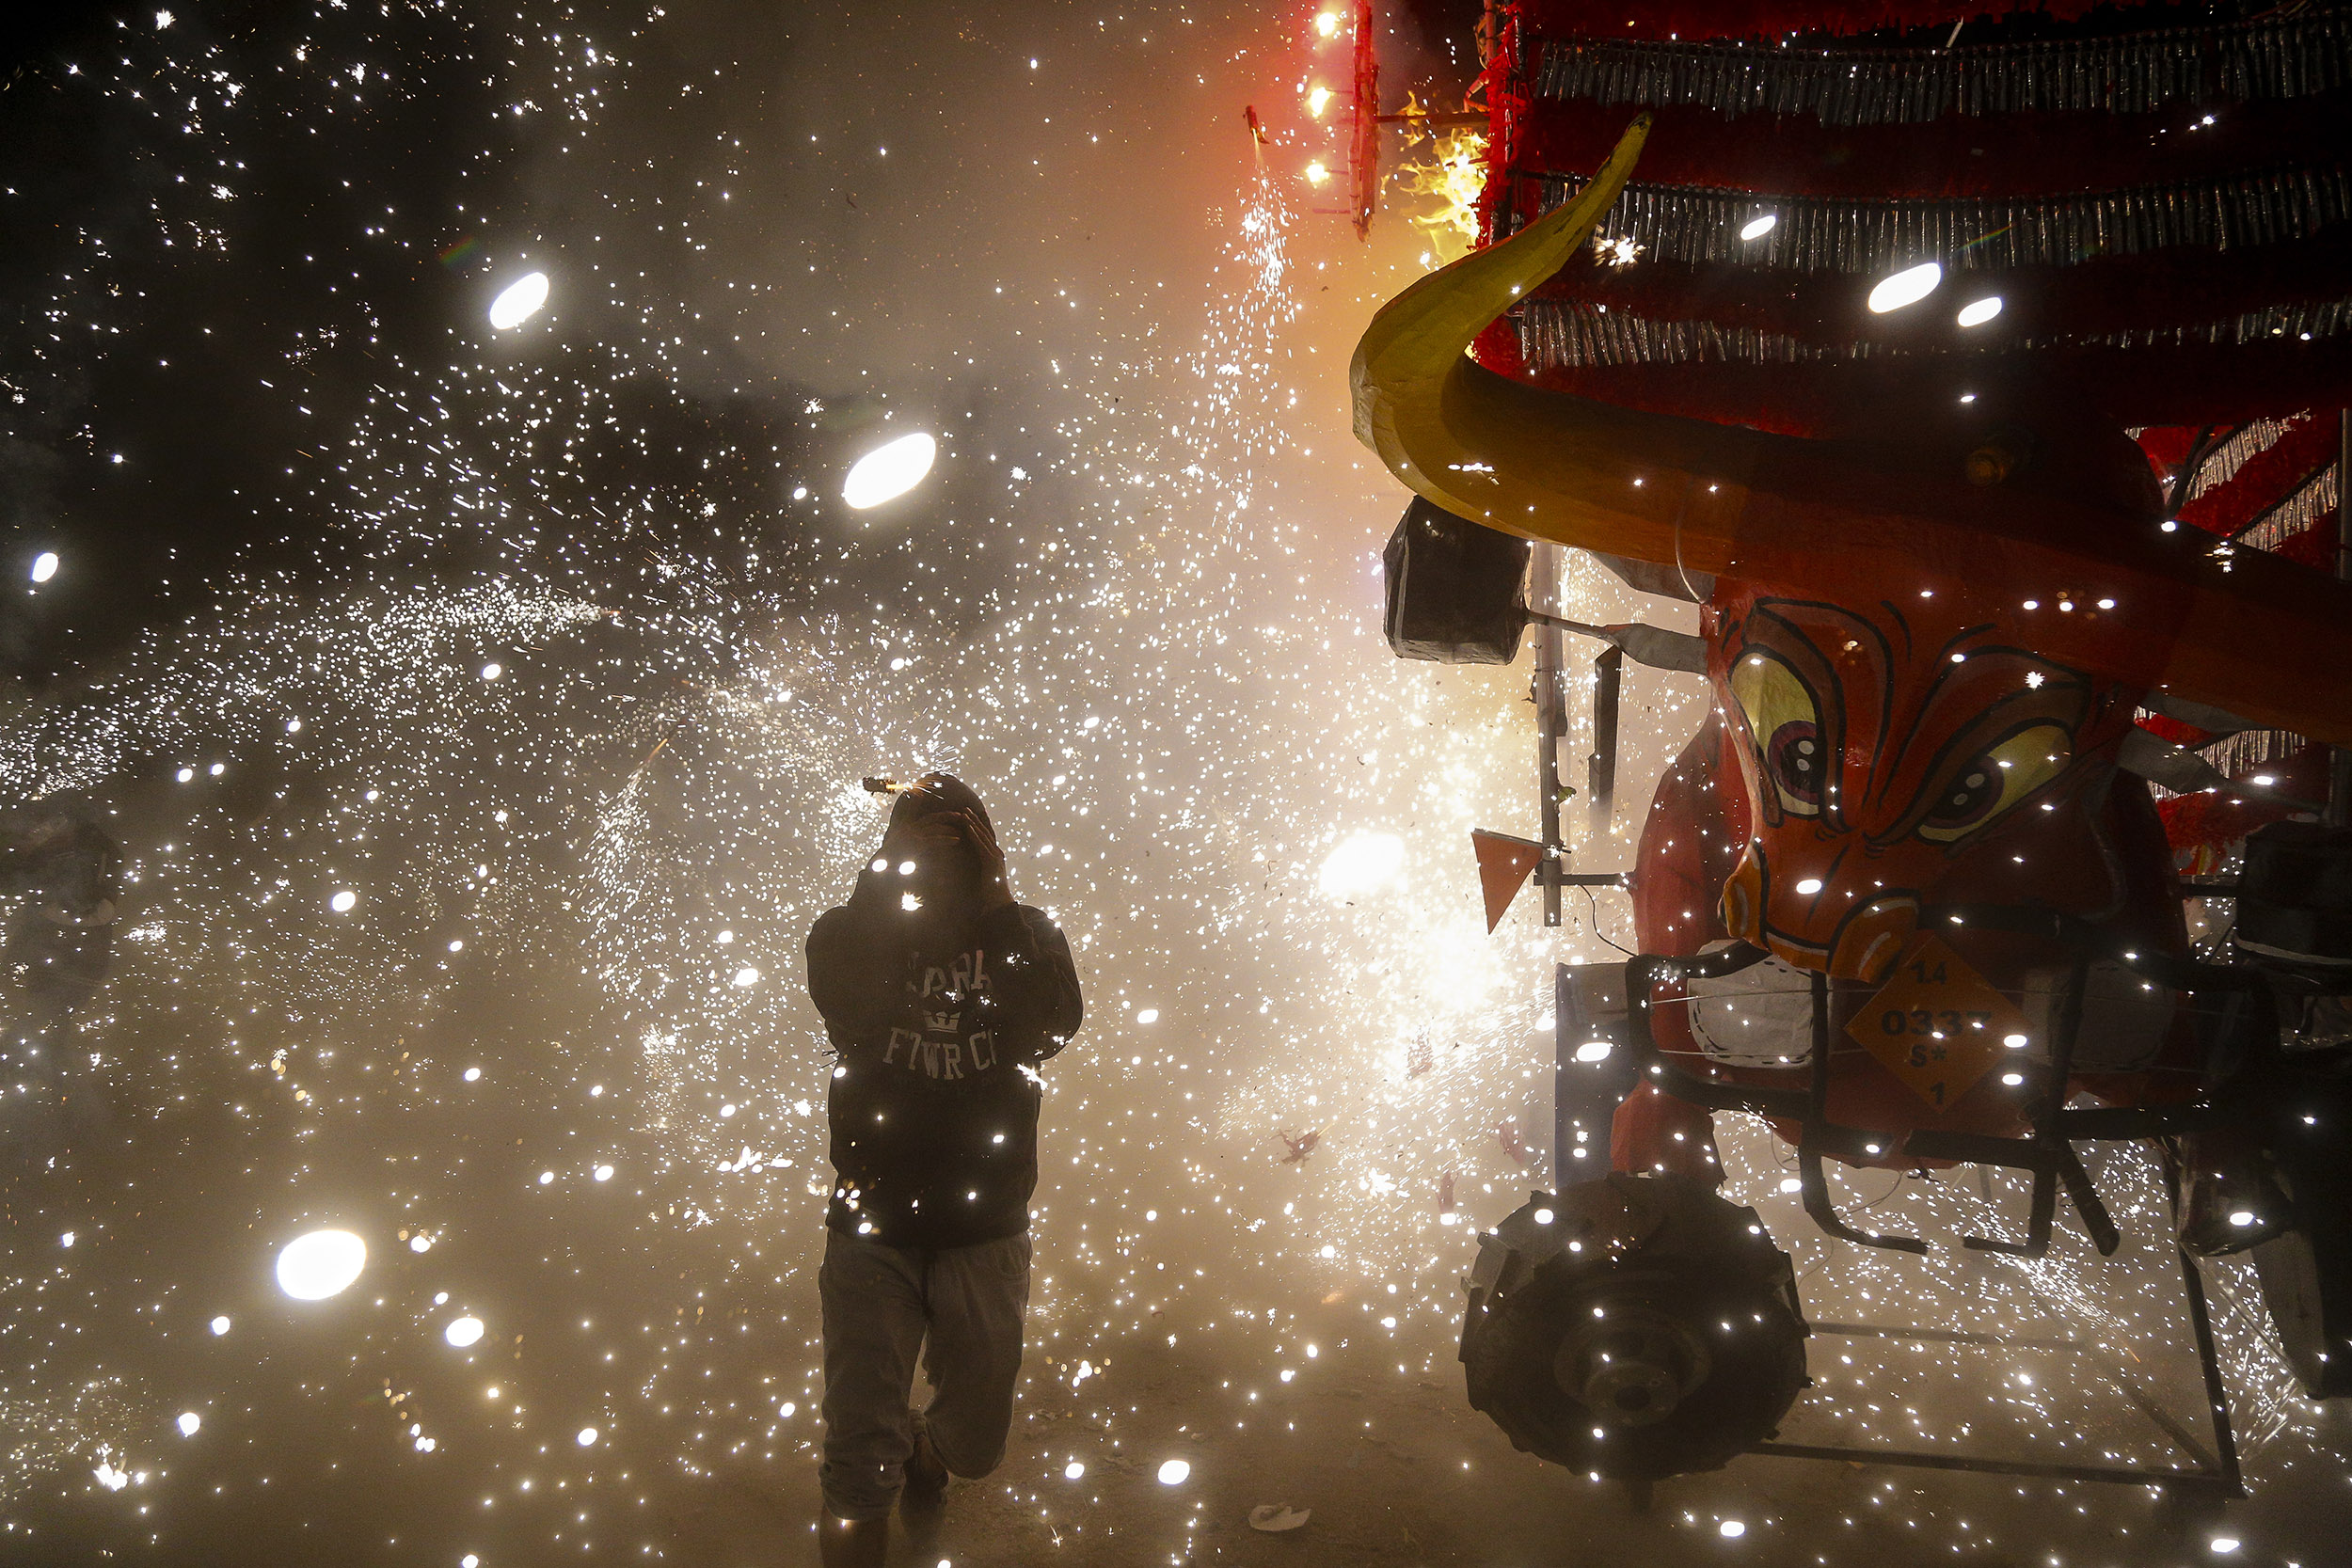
pixel 925 1491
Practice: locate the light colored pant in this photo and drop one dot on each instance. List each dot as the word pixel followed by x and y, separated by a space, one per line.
pixel 880 1304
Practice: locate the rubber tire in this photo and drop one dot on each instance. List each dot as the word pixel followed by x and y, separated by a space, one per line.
pixel 1707 1263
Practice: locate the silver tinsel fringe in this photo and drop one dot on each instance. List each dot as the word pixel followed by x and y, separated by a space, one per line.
pixel 1696 225
pixel 2290 56
pixel 2235 756
pixel 2305 507
pixel 1577 334
pixel 2222 464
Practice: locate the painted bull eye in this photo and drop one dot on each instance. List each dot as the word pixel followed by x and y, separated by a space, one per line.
pixel 1797 763
pixel 1969 796
pixel 1974 795
pixel 1785 724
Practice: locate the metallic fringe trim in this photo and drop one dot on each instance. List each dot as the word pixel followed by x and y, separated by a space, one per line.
pixel 2291 56
pixel 1696 225
pixel 2224 462
pixel 2299 510
pixel 1576 334
pixel 2235 754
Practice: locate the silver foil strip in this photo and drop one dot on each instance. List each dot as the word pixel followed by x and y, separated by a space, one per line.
pixel 2236 755
pixel 1556 334
pixel 2222 464
pixel 1700 225
pixel 2293 515
pixel 2280 56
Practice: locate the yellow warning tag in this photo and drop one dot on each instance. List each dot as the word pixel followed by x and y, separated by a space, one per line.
pixel 1938 1024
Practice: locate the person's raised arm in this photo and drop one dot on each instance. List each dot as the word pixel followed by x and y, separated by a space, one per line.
pixel 852 972
pixel 1034 982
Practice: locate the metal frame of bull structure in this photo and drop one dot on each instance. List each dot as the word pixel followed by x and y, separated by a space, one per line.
pixel 1457 592
pixel 1647 1256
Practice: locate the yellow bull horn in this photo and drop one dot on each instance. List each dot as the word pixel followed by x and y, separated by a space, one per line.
pixel 1530 462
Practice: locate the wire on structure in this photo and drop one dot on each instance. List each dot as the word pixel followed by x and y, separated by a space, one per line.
pixel 1595 924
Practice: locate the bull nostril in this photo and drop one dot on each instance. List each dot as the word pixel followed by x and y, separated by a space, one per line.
pixel 1810 885
pixel 1872 941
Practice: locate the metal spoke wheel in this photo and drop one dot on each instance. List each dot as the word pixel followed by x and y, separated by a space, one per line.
pixel 1633 1327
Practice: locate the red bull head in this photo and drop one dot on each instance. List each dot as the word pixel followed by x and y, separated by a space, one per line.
pixel 1898 756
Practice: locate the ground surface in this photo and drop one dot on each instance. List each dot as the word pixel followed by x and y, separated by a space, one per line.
pixel 1397 1471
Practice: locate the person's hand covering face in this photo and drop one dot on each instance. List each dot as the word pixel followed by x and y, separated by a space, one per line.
pixel 955 855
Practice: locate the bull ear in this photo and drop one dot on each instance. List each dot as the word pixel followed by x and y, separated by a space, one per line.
pixel 1541 464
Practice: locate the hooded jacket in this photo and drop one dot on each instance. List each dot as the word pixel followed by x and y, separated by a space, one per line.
pixel 939 1020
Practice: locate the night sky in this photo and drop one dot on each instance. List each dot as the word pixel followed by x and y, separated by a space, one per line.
pixel 474 721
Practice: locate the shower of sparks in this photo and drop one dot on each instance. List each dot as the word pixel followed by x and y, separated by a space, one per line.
pixel 464 864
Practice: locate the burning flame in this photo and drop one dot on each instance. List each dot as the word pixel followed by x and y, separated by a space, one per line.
pixel 1451 166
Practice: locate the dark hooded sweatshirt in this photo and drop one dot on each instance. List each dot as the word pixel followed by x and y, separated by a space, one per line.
pixel 939 1027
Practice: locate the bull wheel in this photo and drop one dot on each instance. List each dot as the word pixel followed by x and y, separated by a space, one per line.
pixel 1634 1328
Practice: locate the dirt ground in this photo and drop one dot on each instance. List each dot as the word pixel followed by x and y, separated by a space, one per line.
pixel 1395 1470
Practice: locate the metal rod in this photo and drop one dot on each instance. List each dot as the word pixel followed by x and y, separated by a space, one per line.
pixel 1600 769
pixel 1563 1057
pixel 2044 1204
pixel 2184 480
pixel 1812 1180
pixel 2217 1397
pixel 1955 1335
pixel 1583 629
pixel 2130 1390
pixel 2093 1213
pixel 2162 1419
pixel 2340 757
pixel 2200 1481
pixel 1551 711
pixel 2055 1159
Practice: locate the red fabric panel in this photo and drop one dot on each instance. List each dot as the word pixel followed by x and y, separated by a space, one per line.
pixel 2315 546
pixel 2019 154
pixel 2217 818
pixel 2174 731
pixel 1498 349
pixel 2267 477
pixel 1653 1131
pixel 1757 18
pixel 2167 445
